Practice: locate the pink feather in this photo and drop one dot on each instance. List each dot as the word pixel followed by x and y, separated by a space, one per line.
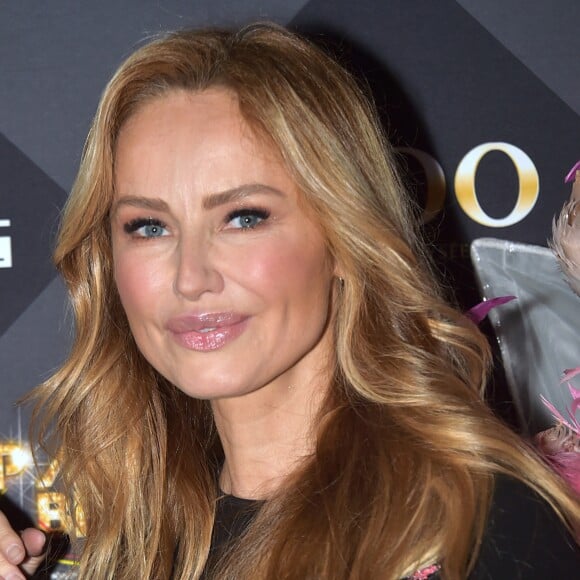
pixel 560 445
pixel 425 573
pixel 566 233
pixel 481 310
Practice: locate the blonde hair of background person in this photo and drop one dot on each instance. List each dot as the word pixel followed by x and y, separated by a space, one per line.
pixel 405 450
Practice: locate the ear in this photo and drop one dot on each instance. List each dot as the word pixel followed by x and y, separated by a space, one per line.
pixel 337 269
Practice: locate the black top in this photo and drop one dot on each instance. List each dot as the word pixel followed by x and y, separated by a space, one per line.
pixel 233 516
pixel 524 537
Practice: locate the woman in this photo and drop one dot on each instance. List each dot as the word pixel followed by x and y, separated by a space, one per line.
pixel 258 330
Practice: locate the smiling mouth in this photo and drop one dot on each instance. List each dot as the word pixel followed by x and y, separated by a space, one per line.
pixel 207 332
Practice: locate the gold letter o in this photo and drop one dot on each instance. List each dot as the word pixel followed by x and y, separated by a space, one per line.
pixel 435 181
pixel 529 185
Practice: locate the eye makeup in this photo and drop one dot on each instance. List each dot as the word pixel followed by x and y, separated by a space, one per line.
pixel 247 218
pixel 151 227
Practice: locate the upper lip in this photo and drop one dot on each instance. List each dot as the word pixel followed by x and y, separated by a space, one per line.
pixel 199 322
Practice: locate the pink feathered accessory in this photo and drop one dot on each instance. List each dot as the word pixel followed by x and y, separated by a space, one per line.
pixel 425 573
pixel 566 233
pixel 560 445
pixel 481 310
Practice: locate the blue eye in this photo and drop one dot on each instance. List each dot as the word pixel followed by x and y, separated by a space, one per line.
pixel 247 219
pixel 146 228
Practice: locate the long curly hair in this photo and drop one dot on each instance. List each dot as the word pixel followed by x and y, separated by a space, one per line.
pixel 406 450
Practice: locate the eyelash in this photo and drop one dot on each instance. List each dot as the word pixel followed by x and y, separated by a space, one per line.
pixel 133 226
pixel 262 214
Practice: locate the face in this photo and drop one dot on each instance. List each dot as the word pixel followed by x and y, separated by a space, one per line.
pixel 225 280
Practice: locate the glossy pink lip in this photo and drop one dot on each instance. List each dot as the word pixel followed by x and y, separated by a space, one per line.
pixel 207 332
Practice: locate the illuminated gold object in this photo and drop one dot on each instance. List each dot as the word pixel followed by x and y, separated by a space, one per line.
pixel 14 459
pixel 529 185
pixel 48 478
pixel 465 191
pixel 434 179
pixel 51 509
pixel 53 515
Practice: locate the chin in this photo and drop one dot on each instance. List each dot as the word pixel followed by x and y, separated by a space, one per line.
pixel 210 387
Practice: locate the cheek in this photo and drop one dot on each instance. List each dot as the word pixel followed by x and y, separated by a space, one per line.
pixel 287 270
pixel 138 284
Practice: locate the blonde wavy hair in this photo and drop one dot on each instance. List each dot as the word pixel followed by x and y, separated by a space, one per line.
pixel 406 451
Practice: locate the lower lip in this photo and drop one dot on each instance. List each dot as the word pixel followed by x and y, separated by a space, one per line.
pixel 212 340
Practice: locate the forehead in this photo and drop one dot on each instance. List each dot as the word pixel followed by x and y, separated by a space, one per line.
pixel 198 113
pixel 201 124
pixel 195 143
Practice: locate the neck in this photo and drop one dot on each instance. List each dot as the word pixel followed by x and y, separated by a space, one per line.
pixel 266 434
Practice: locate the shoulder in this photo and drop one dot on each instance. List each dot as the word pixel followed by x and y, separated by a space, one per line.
pixel 524 538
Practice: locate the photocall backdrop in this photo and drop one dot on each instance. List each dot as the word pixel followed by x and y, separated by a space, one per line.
pixel 481 98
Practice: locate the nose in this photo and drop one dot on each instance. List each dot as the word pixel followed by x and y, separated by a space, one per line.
pixel 197 272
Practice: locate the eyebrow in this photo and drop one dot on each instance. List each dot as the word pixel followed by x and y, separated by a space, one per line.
pixel 138 201
pixel 237 193
pixel 209 202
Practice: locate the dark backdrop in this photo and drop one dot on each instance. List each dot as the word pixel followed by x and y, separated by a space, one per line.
pixel 482 98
